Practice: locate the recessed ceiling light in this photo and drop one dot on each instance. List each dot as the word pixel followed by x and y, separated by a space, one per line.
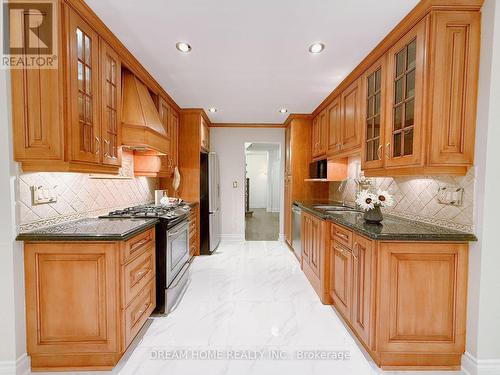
pixel 183 47
pixel 316 47
pixel 283 110
pixel 212 110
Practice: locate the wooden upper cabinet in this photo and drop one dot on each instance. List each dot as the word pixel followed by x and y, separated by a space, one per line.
pixel 204 135
pixel 288 151
pixel 84 124
pixel 334 126
pixel 37 110
pixel 319 137
pixel 373 115
pixel 165 115
pixel 454 65
pixel 405 78
pixel 351 117
pixel 111 105
pixel 174 138
pixel 343 122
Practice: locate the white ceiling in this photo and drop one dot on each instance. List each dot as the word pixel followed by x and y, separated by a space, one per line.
pixel 250 57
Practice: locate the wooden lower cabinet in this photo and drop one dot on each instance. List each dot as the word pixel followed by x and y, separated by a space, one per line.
pixel 313 237
pixel 86 301
pixel 194 229
pixel 405 301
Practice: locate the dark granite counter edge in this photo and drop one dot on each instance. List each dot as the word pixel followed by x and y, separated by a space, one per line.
pixel 445 237
pixel 34 237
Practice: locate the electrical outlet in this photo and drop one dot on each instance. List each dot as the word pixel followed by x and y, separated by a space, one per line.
pixel 235 184
pixel 451 195
pixel 43 195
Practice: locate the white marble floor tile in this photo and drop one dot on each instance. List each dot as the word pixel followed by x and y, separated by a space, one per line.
pixel 249 297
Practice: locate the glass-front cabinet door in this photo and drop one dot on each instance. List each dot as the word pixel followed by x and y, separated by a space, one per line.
pixel 111 103
pixel 373 136
pixel 84 128
pixel 406 62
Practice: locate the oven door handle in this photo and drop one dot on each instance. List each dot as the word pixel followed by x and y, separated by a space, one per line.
pixel 183 227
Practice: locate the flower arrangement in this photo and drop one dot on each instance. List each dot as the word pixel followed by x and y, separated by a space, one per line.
pixel 368 201
pixel 371 203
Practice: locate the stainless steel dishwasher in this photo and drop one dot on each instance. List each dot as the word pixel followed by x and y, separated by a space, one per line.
pixel 296 224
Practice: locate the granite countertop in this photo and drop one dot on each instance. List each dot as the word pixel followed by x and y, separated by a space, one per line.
pixel 392 228
pixel 90 229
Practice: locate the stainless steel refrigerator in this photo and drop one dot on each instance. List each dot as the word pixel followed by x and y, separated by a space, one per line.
pixel 210 220
pixel 214 200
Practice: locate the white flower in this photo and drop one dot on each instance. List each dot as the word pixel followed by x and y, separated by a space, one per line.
pixel 366 200
pixel 384 199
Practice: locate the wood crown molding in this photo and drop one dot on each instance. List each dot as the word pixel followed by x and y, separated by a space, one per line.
pixel 128 60
pixel 246 125
pixel 196 111
pixel 421 10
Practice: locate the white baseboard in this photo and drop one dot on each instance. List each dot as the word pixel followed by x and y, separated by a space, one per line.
pixel 21 366
pixel 473 366
pixel 232 237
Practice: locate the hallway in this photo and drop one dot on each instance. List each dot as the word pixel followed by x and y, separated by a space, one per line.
pixel 262 225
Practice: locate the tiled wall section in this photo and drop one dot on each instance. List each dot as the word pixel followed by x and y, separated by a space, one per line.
pixel 79 195
pixel 416 197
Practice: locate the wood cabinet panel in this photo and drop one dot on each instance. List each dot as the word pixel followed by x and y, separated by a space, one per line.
pixel 205 135
pixel 341 283
pixel 76 280
pixel 111 89
pixel 351 117
pixel 334 127
pixel 454 65
pixel 137 245
pixel 37 109
pixel 136 274
pixel 424 298
pixel 319 141
pixel 139 310
pixel 316 246
pixel 363 284
pixel 288 211
pixel 85 121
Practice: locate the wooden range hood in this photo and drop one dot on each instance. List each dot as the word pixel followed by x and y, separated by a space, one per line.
pixel 142 128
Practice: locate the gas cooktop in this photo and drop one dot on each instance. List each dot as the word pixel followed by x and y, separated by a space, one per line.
pixel 151 211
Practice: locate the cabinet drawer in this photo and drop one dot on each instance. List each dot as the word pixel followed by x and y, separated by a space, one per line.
pixel 341 235
pixel 136 275
pixel 139 310
pixel 137 245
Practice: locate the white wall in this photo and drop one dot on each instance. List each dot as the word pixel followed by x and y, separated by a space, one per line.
pixel 257 172
pixel 483 323
pixel 12 312
pixel 229 143
pixel 274 197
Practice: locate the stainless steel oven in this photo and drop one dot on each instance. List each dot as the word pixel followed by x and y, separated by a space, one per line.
pixel 177 250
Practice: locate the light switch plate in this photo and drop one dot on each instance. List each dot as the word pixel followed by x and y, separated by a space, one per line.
pixel 43 195
pixel 235 184
pixel 451 195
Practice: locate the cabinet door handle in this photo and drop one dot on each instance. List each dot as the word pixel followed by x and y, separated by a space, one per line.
pixel 97 145
pixel 379 154
pixel 106 148
pixel 388 150
pixel 355 252
pixel 342 235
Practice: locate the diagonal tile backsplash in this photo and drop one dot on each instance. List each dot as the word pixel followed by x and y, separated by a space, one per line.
pixel 78 195
pixel 416 197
